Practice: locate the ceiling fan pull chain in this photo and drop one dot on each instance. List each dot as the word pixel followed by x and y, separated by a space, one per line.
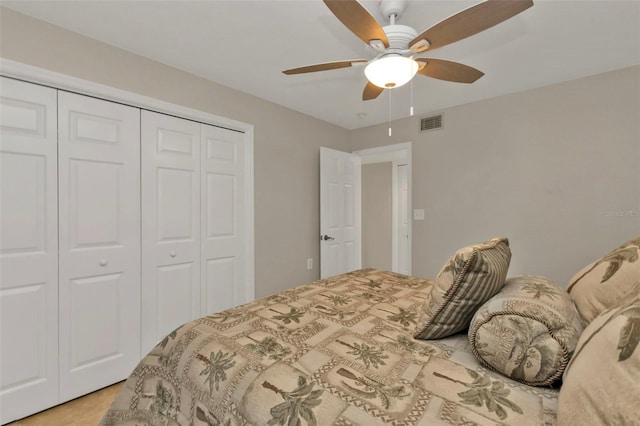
pixel 389 111
pixel 411 107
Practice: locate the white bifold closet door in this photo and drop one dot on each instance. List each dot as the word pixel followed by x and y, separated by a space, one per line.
pixel 194 249
pixel 170 224
pixel 28 249
pixel 99 242
pixel 224 257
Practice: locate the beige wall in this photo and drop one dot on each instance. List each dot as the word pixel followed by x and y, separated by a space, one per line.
pixel 549 168
pixel 286 142
pixel 376 215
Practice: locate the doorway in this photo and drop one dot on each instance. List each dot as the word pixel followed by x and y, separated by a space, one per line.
pixel 386 182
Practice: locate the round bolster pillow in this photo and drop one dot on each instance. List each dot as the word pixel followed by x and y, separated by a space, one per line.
pixel 527 331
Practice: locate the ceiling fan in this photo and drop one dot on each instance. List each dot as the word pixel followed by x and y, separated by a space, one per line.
pixel 394 64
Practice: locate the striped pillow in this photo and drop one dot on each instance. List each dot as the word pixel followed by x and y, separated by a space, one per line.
pixel 468 279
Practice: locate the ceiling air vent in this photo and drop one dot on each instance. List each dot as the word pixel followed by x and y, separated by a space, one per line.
pixel 431 123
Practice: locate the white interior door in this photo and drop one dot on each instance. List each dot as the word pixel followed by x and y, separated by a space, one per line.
pixel 28 249
pixel 340 212
pixel 99 242
pixel 170 225
pixel 224 260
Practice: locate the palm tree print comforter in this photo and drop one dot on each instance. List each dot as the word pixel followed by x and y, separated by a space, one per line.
pixel 337 351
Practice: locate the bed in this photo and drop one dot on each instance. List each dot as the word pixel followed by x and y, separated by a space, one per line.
pixel 338 351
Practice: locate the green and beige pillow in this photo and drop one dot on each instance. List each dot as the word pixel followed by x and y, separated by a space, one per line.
pixel 527 331
pixel 607 281
pixel 601 384
pixel 468 279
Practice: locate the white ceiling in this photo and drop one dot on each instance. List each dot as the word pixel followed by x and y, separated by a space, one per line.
pixel 246 44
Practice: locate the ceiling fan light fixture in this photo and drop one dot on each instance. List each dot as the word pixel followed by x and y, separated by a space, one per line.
pixel 391 71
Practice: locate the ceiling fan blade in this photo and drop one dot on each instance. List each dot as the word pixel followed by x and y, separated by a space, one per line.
pixel 371 91
pixel 325 67
pixel 471 21
pixel 447 70
pixel 358 19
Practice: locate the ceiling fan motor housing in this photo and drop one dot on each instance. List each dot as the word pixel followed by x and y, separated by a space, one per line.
pixel 399 36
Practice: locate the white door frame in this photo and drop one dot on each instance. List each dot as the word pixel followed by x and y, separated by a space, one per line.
pixel 56 80
pixel 397 154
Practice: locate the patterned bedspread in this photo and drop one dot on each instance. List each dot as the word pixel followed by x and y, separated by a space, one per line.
pixel 334 352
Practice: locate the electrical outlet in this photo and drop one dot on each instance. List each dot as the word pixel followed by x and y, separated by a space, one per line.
pixel 418 214
pixel 309 263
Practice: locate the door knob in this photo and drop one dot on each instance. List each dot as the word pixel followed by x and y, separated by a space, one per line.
pixel 325 237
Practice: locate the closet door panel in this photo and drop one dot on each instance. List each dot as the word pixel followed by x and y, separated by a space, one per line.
pixel 175 294
pixel 28 249
pixel 171 224
pixel 88 317
pixel 99 193
pixel 223 212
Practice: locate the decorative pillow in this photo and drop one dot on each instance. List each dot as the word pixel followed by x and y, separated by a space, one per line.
pixel 527 331
pixel 607 281
pixel 601 384
pixel 467 280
